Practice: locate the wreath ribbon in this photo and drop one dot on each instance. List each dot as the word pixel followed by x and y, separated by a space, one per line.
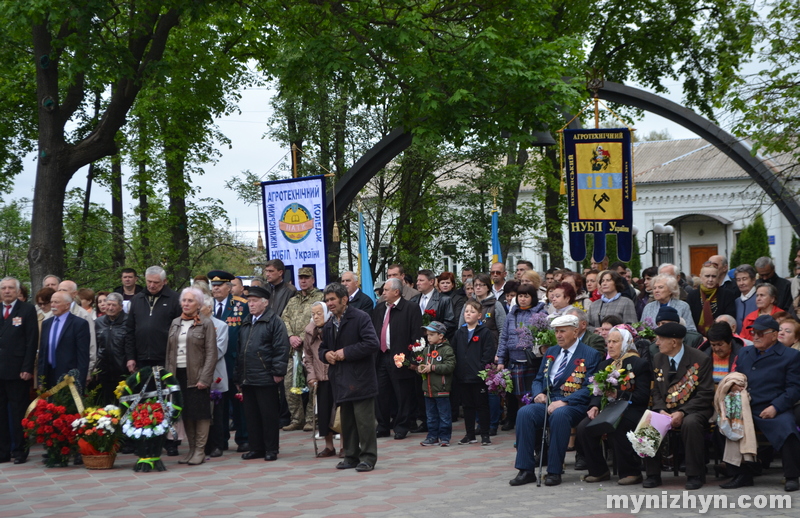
pixel 68 381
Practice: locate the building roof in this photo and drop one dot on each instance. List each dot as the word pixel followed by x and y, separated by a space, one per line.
pixel 667 161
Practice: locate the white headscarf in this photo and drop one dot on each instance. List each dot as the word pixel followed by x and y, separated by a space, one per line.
pixel 326 314
pixel 627 341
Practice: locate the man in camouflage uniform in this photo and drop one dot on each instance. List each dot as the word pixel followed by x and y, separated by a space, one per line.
pixel 296 317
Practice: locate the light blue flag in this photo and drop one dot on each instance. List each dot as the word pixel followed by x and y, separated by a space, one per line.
pixel 497 255
pixel 363 261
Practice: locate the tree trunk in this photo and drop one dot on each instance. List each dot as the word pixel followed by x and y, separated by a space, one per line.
pixel 178 265
pixel 117 215
pixel 552 216
pixel 84 218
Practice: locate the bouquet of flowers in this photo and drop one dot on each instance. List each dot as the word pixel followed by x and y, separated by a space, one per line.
pixel 428 316
pixel 649 433
pixel 299 385
pixel 50 425
pixel 606 383
pixel 527 399
pixel 498 382
pixel 541 332
pixel 400 360
pixel 98 430
pixel 216 395
pixel 147 419
pixel 645 328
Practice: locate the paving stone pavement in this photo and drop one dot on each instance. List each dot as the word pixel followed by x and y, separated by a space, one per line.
pixel 409 480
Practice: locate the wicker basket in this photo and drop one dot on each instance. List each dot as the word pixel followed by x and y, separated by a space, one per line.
pixel 99 461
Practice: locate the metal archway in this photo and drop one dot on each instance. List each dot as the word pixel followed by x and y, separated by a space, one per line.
pixel 398 140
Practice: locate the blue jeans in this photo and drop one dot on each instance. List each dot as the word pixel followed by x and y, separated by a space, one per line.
pixel 440 424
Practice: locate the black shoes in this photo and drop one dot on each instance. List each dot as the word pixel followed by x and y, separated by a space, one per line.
pixel 21 458
pixel 216 452
pixel 254 455
pixel 580 462
pixel 792 484
pixel 652 481
pixel 243 448
pixel 381 433
pixel 346 465
pixel 493 431
pixel 172 450
pixel 508 426
pixel 399 436
pixel 423 428
pixel 740 480
pixel 552 479
pixel 695 482
pixel 271 455
pixel 522 478
pixel 364 466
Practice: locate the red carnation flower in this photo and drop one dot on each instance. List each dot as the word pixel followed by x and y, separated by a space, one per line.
pixel 550 358
pixel 475 338
pixel 431 313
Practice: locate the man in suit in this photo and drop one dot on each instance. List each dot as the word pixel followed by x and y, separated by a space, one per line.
pixel 232 310
pixel 429 299
pixel 564 374
pixel 398 324
pixel 773 381
pixel 64 342
pixel 683 390
pixel 75 308
pixel 766 274
pixel 357 298
pixel 19 337
pixel 396 271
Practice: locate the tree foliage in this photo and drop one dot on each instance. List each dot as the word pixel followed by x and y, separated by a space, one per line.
pixel 767 104
pixel 752 243
pixel 15 231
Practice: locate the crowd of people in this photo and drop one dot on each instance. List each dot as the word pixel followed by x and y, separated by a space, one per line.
pixel 330 361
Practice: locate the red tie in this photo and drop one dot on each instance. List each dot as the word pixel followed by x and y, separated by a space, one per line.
pixel 385 329
pixel 7 312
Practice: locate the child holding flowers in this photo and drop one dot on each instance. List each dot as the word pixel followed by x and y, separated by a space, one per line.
pixel 436 363
pixel 474 346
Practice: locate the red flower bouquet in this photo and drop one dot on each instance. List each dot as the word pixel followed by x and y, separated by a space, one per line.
pixel 51 426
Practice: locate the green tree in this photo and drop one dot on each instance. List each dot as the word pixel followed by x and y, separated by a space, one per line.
pixel 767 103
pixel 751 244
pixel 793 253
pixel 15 231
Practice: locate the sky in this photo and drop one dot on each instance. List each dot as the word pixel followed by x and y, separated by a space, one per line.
pixel 252 150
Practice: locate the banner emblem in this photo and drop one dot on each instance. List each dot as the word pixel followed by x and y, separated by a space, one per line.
pixel 296 223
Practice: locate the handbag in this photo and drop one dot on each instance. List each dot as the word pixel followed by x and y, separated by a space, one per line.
pixel 608 419
pixel 534 362
pixel 336 425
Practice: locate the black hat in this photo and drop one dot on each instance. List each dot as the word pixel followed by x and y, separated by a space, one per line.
pixel 670 330
pixel 668 314
pixel 763 323
pixel 257 291
pixel 217 277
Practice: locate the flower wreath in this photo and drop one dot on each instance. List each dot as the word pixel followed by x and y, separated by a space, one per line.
pixel 154 402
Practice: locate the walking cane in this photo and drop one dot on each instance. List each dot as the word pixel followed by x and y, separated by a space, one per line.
pixel 545 433
pixel 314 420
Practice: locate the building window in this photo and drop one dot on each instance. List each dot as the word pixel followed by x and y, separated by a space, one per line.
pixel 664 248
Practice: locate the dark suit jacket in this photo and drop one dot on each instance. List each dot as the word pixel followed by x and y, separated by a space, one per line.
pixel 594 341
pixel 19 337
pixel 72 351
pixel 405 328
pixel 443 307
pixel 702 397
pixel 726 305
pixel 580 398
pixel 236 311
pixel 362 301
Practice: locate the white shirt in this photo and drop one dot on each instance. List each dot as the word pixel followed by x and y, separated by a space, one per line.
pixel 354 294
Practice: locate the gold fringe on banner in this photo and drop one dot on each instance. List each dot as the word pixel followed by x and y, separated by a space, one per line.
pixel 68 381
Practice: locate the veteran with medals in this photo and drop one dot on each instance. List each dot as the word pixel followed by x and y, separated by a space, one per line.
pixel 563 377
pixel 683 390
pixel 773 383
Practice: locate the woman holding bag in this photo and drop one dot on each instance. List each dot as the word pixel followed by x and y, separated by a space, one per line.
pixel 633 384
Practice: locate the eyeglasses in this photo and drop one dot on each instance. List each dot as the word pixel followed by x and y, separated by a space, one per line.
pixel 496 272
pixel 762 333
pixel 476 284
